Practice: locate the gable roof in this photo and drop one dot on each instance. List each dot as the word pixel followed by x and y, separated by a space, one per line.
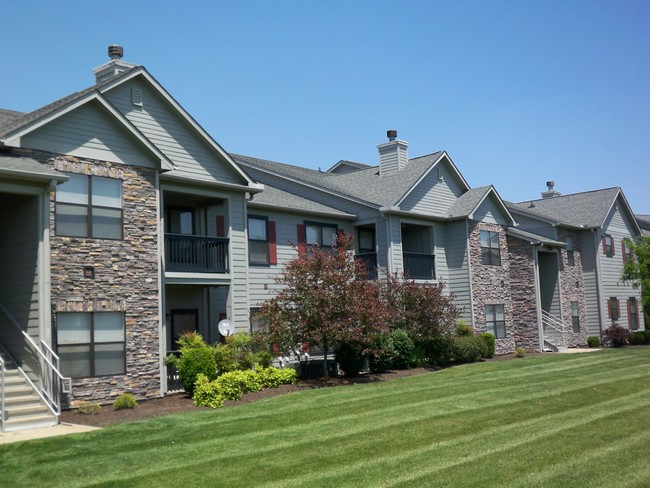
pixel 587 210
pixel 14 124
pixel 365 186
pixel 344 166
pixel 471 200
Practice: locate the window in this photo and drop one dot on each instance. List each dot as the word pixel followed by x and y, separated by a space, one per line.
pixel 608 245
pixel 627 251
pixel 614 309
pixel 183 321
pixel 258 240
pixel 495 320
pixel 575 317
pixel 89 206
pixel 570 258
pixel 366 241
pixel 180 220
pixel 633 313
pixel 490 252
pixel 91 344
pixel 323 235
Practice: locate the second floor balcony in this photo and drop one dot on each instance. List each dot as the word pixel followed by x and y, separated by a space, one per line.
pixel 419 266
pixel 196 254
pixel 369 260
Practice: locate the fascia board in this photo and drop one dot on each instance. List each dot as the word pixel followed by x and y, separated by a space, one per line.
pixel 628 210
pixel 320 213
pixel 254 188
pixel 493 190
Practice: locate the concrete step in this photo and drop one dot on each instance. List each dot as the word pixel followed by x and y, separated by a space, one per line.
pixel 17 390
pixel 17 400
pixel 26 411
pixel 30 422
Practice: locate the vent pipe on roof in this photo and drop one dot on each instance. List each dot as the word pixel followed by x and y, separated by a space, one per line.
pixel 114 67
pixel 550 193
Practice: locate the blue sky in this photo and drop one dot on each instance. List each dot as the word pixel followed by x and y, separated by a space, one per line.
pixel 517 92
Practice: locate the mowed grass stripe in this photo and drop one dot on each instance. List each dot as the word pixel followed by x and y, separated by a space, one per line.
pixel 322 432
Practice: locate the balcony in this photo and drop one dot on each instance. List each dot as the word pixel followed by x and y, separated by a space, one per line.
pixel 369 260
pixel 196 254
pixel 419 266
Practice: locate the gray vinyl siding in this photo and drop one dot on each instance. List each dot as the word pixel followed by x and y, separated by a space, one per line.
pixel 286 228
pixel 488 211
pixel 619 227
pixel 18 266
pixel 89 132
pixel 396 262
pixel 535 226
pixel 590 278
pixel 239 262
pixel 434 196
pixel 456 263
pixel 159 122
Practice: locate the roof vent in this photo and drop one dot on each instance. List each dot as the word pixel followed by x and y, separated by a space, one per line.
pixel 115 51
pixel 550 193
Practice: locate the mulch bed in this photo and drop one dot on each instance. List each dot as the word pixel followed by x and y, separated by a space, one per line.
pixel 179 402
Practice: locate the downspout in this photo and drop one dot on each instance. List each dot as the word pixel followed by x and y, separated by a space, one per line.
pixel 538 300
pixel 162 321
pixel 599 287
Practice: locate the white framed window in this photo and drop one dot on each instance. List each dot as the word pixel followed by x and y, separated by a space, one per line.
pixel 495 320
pixel 490 250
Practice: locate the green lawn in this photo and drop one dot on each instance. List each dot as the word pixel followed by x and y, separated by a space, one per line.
pixel 560 420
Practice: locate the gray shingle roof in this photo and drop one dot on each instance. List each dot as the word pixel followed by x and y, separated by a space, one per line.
pixel 8 117
pixel 467 202
pixel 588 209
pixel 533 238
pixel 16 122
pixel 276 198
pixel 28 168
pixel 365 184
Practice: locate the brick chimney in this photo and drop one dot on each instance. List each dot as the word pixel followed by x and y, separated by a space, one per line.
pixel 550 193
pixel 114 67
pixel 393 155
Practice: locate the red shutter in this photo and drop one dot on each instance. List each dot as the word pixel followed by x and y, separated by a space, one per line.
pixel 273 245
pixel 609 308
pixel 613 247
pixel 604 246
pixel 629 312
pixel 302 247
pixel 221 226
pixel 618 308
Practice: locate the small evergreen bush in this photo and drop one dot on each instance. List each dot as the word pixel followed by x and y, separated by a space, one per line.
pixel 616 336
pixel 350 358
pixel 207 393
pixel 438 351
pixel 380 359
pixel 125 400
pixel 403 350
pixel 637 338
pixel 194 360
pixel 646 334
pixel 520 352
pixel 190 340
pixel 463 329
pixel 288 376
pixel 490 344
pixel 88 408
pixel 265 359
pixel 231 385
pixel 223 358
pixel 593 341
pixel 468 349
pixel 270 377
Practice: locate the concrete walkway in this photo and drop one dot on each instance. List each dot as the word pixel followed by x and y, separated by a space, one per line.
pixel 56 430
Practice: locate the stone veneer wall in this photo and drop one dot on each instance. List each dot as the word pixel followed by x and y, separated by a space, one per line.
pixel 524 295
pixel 126 279
pixel 572 289
pixel 491 284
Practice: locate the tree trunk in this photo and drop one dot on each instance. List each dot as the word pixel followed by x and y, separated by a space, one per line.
pixel 326 373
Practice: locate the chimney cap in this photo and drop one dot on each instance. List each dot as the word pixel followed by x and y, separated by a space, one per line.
pixel 550 185
pixel 391 134
pixel 115 51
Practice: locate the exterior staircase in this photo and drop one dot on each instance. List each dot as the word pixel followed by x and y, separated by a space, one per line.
pixel 21 407
pixel 554 333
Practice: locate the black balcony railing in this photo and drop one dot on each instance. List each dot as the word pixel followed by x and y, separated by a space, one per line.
pixel 369 260
pixel 196 254
pixel 419 266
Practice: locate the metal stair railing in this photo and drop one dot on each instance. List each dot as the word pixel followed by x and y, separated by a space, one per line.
pixel 3 412
pixel 554 330
pixel 53 383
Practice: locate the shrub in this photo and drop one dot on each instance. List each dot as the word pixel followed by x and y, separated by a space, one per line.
pixel 380 359
pixel 207 393
pixel 463 329
pixel 88 408
pixel 265 359
pixel 403 350
pixel 250 381
pixel 223 358
pixel 468 349
pixel 288 376
pixel 520 352
pixel 125 400
pixel 593 341
pixel 190 340
pixel 350 358
pixel 193 361
pixel 616 336
pixel 231 385
pixel 438 351
pixel 270 377
pixel 646 334
pixel 490 344
pixel 637 338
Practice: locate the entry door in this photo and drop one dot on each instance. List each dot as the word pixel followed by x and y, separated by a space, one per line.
pixel 186 320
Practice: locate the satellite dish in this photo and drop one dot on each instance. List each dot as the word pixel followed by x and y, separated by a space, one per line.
pixel 226 327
